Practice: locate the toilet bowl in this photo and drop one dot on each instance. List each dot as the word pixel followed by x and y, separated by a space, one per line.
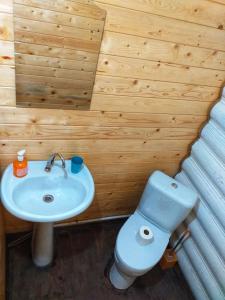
pixel 143 238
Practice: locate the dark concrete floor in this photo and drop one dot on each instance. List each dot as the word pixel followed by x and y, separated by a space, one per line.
pixel 82 253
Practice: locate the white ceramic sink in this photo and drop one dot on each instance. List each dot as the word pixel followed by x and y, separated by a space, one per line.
pixel 24 197
pixel 44 198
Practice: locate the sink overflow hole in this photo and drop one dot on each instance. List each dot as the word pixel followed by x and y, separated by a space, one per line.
pixel 174 185
pixel 146 232
pixel 48 198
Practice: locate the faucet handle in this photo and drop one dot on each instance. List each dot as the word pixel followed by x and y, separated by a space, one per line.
pixel 62 159
pixel 51 161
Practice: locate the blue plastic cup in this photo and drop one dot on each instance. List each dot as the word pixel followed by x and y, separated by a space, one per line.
pixel 76 164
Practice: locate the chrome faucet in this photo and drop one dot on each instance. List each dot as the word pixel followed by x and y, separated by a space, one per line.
pixel 51 161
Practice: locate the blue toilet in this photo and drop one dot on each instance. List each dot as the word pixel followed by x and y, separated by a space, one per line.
pixel 142 240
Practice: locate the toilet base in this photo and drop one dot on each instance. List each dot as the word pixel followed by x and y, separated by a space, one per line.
pixel 120 280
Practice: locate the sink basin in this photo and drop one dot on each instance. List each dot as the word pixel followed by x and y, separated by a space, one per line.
pixel 44 198
pixel 47 197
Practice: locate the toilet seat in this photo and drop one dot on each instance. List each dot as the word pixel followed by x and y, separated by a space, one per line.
pixel 134 257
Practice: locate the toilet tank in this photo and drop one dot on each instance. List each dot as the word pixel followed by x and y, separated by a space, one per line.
pixel 165 201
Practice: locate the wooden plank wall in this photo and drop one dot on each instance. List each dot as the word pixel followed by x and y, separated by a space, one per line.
pixel 161 67
pixel 57 44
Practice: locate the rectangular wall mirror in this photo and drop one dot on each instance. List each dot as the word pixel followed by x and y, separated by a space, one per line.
pixel 57 44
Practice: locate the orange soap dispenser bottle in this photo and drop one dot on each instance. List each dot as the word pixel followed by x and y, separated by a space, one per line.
pixel 20 165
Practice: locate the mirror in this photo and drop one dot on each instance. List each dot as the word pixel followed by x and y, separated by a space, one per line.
pixel 57 43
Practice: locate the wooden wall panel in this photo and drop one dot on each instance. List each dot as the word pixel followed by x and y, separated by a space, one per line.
pixel 195 11
pixel 146 69
pixel 161 68
pixel 138 23
pixel 147 88
pixel 158 105
pixel 115 43
pixel 218 1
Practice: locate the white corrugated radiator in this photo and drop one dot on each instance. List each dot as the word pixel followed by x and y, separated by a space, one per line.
pixel 202 255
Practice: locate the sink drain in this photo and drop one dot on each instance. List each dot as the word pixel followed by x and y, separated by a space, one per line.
pixel 48 198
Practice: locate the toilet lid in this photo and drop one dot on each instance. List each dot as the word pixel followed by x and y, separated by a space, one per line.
pixel 135 256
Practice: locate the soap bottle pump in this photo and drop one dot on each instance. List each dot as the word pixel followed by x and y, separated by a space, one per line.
pixel 20 165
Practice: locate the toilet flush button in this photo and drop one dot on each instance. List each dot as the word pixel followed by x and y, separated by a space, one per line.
pixel 145 235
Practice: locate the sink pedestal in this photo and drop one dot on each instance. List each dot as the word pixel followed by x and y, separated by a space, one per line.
pixel 42 244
